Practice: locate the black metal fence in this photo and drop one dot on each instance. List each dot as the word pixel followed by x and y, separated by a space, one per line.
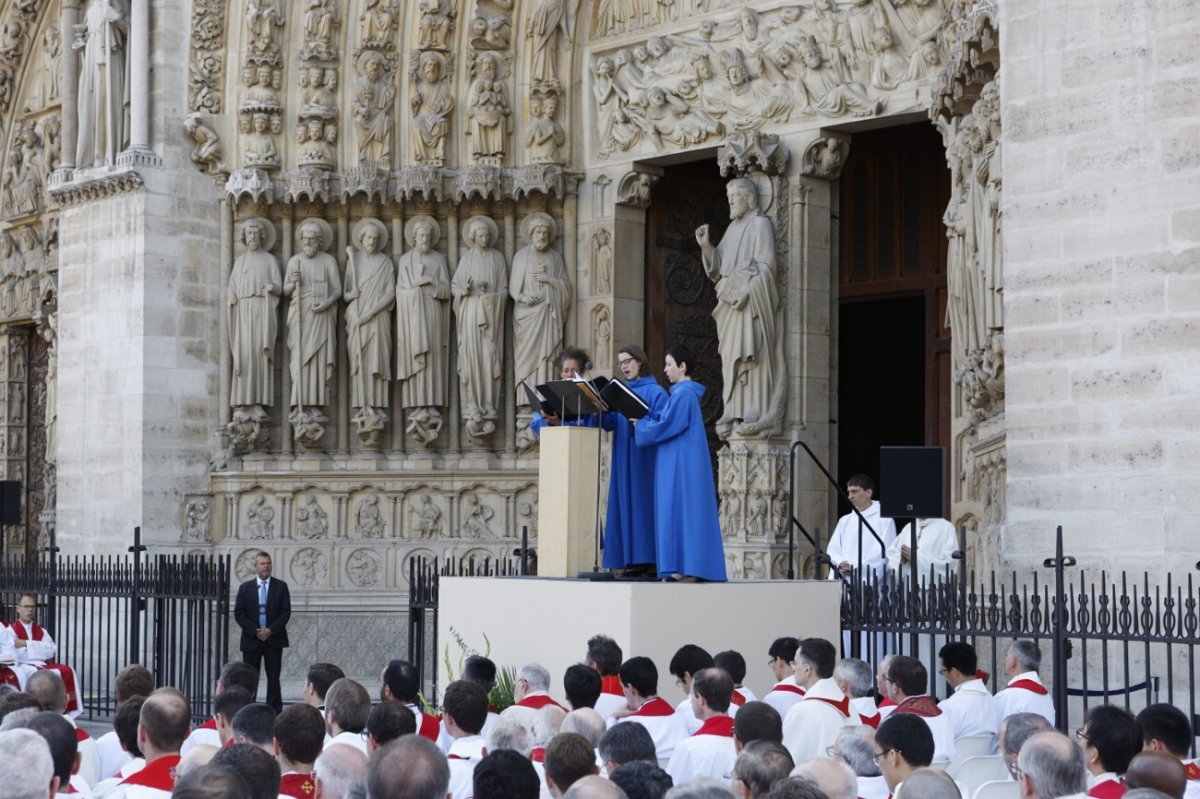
pixel 1129 640
pixel 423 577
pixel 167 612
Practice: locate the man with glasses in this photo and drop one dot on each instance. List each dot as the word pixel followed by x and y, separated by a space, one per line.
pixel 903 744
pixel 36 650
pixel 814 722
pixel 856 747
pixel 971 709
pixel 1014 732
pixel 781 660
pixel 1110 738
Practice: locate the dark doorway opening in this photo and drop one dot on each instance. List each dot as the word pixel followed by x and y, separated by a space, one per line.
pixel 881 380
pixel 893 343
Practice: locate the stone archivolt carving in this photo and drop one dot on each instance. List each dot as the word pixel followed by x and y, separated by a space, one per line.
pixel 490 30
pixel 322 19
pixel 423 333
pixel 541 289
pixel 376 23
pixel 314 286
pixel 371 296
pixel 253 297
pixel 544 136
pixel 431 100
pixel 264 23
pixel 435 25
pixel 207 62
pixel 480 291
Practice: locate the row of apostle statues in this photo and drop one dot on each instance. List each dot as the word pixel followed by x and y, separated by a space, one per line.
pixel 397 322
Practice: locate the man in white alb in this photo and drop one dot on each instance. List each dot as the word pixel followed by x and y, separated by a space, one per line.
pixel 843 549
pixel 709 752
pixel 1025 692
pixel 971 709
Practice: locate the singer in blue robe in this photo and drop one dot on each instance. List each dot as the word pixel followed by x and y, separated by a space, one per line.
pixel 687 530
pixel 629 529
pixel 571 362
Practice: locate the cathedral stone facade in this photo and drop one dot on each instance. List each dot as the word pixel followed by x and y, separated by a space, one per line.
pixel 271 271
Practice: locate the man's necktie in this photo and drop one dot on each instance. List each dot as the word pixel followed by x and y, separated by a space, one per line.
pixel 262 603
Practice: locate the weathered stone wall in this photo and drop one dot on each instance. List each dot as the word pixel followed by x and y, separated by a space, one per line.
pixel 1102 280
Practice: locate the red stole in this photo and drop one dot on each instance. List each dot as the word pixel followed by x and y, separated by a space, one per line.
pixel 982 676
pixel 887 702
pixel 840 705
pixel 736 698
pixel 22 632
pixel 1193 771
pixel 158 774
pixel 611 685
pixel 81 735
pixel 539 702
pixel 789 688
pixel 720 726
pixel 301 786
pixel 870 721
pixel 538 754
pixel 430 727
pixel 1109 789
pixel 655 707
pixel 9 677
pixel 923 706
pixel 1030 685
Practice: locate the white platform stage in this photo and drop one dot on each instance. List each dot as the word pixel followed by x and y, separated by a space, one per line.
pixel 548 620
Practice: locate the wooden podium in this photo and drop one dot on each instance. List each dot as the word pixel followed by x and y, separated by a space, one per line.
pixel 567 477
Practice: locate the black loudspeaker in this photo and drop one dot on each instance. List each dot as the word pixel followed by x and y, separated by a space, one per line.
pixel 10 501
pixel 911 482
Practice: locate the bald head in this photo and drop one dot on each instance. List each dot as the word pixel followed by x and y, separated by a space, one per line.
pixel 928 783
pixel 337 768
pixel 1053 765
pixel 164 723
pixel 834 777
pixel 48 689
pixel 1158 770
pixel 594 788
pixel 585 721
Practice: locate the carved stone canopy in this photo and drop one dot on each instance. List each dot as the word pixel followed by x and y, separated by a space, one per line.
pixel 748 152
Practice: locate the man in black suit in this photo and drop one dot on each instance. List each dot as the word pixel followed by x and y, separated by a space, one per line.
pixel 262 610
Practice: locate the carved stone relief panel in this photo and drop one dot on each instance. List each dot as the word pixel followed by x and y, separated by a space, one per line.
pixel 207 67
pixel 369 515
pixel 197 520
pixel 309 568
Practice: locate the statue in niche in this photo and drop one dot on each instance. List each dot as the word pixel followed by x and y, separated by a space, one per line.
pixel 13 266
pixel 423 330
pixel 30 248
pixel 253 296
pixel 543 135
pixel 822 90
pixel 207 152
pixel 488 112
pixel 748 340
pixel 196 521
pixel 476 521
pixel 52 76
pixel 491 31
pixel 321 18
pixel 431 102
pixel 756 514
pixel 368 520
pixel 480 290
pixel 541 289
pixel 258 147
pixel 375 23
pixel 549 29
pixel 668 117
pixel 321 99
pixel 427 518
pixel 433 30
pixel 614 128
pixel 602 333
pixel 373 98
pixel 370 296
pixel 101 104
pixel 890 68
pixel 262 95
pixel 263 17
pixel 602 261
pixel 260 518
pixel 316 139
pixel 314 286
pixel 311 520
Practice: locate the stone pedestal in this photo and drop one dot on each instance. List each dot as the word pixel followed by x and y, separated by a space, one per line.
pixel 567 487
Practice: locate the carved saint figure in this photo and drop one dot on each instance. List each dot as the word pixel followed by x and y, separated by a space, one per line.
pixel 373 98
pixel 543 135
pixel 427 516
pixel 667 117
pixel 549 29
pixel 320 20
pixel 314 286
pixel 260 518
pixel 196 517
pixel 423 330
pixel 431 105
pixel 478 515
pixel 433 32
pixel 311 520
pixel 254 287
pixel 541 289
pixel 371 295
pixel 480 290
pixel 102 83
pixel 487 112
pixel 602 262
pixel 615 127
pixel 368 519
pixel 375 23
pixel 743 268
pixel 262 18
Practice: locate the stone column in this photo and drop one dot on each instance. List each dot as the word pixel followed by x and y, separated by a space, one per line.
pixel 627 283
pixel 226 357
pixel 68 18
pixel 139 153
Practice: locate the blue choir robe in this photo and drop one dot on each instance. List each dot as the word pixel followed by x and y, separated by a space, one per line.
pixel 687 530
pixel 538 422
pixel 629 530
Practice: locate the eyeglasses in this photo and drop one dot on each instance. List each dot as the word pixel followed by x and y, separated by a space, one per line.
pixel 942 671
pixel 834 753
pixel 878 755
pixel 624 361
pixel 1080 734
pixel 1014 770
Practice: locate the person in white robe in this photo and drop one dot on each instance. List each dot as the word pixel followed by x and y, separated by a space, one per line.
pixel 464 711
pixel 971 709
pixel 1025 693
pixel 937 541
pixel 814 723
pixel 710 751
pixel 844 545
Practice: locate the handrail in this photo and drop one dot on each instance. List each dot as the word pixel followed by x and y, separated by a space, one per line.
pixel 837 490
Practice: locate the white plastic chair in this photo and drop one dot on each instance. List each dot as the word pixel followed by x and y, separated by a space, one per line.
pixel 997 789
pixel 968 747
pixel 975 771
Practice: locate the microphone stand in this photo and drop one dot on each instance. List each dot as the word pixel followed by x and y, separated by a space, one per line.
pixel 596 574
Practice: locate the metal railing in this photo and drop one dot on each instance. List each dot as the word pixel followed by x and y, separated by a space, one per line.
pixel 168 612
pixel 1127 639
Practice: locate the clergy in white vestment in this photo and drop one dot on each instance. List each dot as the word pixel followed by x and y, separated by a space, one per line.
pixel 908 687
pixel 854 678
pixel 464 710
pixel 1025 693
pixel 605 656
pixel 785 692
pixel 48 689
pixel 843 548
pixel 347 708
pixel 163 726
pixel 710 751
pixel 530 694
pixel 936 544
pixel 639 679
pixel 1165 728
pixel 856 747
pixel 814 723
pixel 971 708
